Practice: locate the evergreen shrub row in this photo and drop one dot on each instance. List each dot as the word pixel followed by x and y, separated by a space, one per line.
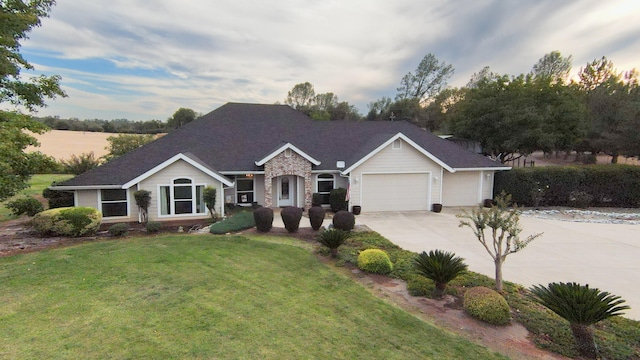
pixel 577 186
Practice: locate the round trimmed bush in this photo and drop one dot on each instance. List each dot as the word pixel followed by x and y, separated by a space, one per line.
pixel 153 226
pixel 264 219
pixel 344 220
pixel 68 221
pixel 120 229
pixel 487 305
pixel 291 216
pixel 316 217
pixel 26 205
pixel 374 261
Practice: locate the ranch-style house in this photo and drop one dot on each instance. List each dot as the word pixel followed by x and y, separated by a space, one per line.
pixel 276 156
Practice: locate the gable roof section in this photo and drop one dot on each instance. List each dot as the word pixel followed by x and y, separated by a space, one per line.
pixel 283 148
pixel 190 159
pixel 390 141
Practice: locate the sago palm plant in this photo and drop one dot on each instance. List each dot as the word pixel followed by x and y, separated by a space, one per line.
pixel 332 239
pixel 581 306
pixel 439 266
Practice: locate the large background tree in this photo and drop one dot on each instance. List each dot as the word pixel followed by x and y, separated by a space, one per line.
pixel 181 117
pixel 123 143
pixel 324 106
pixel 553 66
pixel 430 77
pixel 612 102
pixel 17 18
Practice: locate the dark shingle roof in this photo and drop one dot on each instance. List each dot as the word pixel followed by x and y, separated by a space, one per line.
pixel 234 136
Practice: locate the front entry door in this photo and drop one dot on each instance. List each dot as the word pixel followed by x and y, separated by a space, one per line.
pixel 286 190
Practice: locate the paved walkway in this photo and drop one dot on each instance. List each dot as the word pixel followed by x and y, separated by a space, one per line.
pixel 606 256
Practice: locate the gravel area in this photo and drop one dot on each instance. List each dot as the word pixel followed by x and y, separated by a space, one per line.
pixel 622 216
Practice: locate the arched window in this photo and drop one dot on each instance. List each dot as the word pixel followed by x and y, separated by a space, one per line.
pixel 181 197
pixel 324 185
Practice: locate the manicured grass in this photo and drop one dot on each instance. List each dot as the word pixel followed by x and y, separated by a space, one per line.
pixel 237 222
pixel 223 297
pixel 37 184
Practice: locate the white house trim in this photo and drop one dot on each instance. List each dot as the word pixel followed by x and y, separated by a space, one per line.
pixel 483 169
pixel 390 141
pixel 283 148
pixel 237 172
pixel 89 187
pixel 172 160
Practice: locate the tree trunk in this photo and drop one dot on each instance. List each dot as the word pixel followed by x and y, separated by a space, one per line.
pixel 584 339
pixel 498 263
pixel 439 293
pixel 334 252
pixel 614 158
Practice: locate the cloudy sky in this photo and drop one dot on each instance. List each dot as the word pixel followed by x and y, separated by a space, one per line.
pixel 143 60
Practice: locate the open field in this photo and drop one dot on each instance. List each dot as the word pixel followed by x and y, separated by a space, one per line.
pixel 62 144
pixel 202 297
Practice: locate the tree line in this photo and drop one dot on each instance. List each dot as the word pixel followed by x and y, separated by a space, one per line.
pixel 123 126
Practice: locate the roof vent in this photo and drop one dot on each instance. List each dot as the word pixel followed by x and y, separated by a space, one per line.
pixel 340 164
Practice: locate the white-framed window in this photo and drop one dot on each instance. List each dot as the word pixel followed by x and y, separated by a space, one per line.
pixel 181 197
pixel 288 153
pixel 324 185
pixel 245 190
pixel 397 144
pixel 114 203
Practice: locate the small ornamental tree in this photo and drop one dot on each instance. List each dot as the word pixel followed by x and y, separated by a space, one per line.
pixel 143 199
pixel 581 306
pixel 210 193
pixel 504 235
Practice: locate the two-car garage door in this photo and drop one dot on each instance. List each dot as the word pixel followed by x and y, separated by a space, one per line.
pixel 395 192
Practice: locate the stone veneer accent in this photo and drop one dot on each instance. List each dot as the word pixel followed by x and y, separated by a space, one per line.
pixel 282 165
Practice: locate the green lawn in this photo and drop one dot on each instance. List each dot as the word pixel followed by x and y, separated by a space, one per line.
pixel 222 297
pixel 37 184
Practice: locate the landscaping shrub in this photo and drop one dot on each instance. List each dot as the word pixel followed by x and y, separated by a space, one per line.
pixel 120 229
pixel 263 218
pixel 316 217
pixel 143 200
pixel 374 261
pixel 153 226
pixel 291 217
pixel 332 239
pixel 439 266
pixel 70 221
pixel 240 221
pixel 344 220
pixel 26 205
pixel 316 199
pixel 58 199
pixel 337 199
pixel 487 305
pixel 604 185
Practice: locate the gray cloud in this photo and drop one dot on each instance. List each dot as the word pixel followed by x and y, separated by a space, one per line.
pixel 205 53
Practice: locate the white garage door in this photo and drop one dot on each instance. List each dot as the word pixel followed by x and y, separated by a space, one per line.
pixel 395 192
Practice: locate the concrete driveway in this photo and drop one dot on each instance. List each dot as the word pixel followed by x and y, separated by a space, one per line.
pixel 606 256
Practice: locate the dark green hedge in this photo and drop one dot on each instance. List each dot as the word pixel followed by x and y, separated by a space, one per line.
pixel 581 186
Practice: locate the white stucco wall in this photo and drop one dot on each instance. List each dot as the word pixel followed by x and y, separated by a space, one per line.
pixel 179 169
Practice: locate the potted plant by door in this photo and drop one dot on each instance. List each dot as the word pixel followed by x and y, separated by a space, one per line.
pixel 436 208
pixel 356 209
